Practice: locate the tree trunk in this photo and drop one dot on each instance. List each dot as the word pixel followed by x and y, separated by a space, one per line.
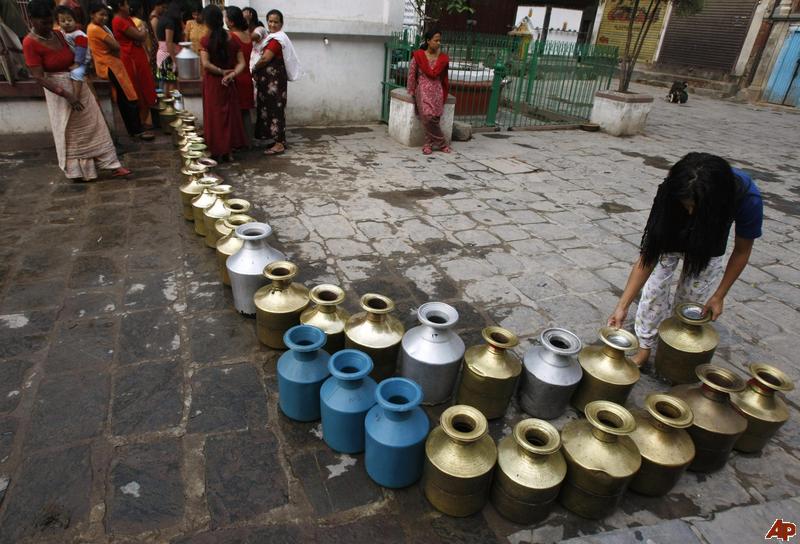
pixel 626 60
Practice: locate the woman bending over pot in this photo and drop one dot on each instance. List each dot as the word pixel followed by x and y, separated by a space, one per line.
pixel 690 220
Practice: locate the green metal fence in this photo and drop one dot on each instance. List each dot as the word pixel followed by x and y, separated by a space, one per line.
pixel 507 81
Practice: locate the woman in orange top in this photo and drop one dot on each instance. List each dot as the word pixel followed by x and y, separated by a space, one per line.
pixel 107 65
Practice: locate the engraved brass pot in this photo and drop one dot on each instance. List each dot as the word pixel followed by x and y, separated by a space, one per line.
pixel 602 459
pixel 459 459
pixel 666 447
pixel 202 202
pixel 327 315
pixel 607 373
pixel 376 333
pixel 279 304
pixel 717 425
pixel 685 341
pixel 490 373
pixel 198 182
pixel 763 408
pixel 221 208
pixel 223 227
pixel 230 243
pixel 529 473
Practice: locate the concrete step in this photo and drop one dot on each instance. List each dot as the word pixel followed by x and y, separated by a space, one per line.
pixel 704 87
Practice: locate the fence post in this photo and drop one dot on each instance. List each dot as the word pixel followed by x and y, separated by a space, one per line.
pixel 494 100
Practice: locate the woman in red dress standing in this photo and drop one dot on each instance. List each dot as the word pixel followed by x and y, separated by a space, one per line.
pixel 222 61
pixel 428 84
pixel 133 55
pixel 237 30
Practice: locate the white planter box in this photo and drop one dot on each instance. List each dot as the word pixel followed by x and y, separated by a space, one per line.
pixel 621 114
pixel 404 125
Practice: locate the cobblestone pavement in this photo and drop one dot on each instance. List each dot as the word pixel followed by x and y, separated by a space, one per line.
pixel 137 406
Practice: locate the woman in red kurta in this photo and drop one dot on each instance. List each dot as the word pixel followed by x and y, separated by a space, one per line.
pixel 237 30
pixel 428 84
pixel 131 42
pixel 222 61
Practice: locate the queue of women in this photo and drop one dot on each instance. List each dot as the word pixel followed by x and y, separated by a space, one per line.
pixel 245 68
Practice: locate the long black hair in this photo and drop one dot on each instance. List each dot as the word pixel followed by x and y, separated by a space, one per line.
pixel 427 37
pixel 235 16
pixel 708 183
pixel 217 38
pixel 254 21
pixel 40 9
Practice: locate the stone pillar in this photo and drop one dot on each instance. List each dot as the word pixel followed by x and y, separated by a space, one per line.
pixel 404 125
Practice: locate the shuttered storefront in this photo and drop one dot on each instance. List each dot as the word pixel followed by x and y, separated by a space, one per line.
pixel 614 26
pixel 712 39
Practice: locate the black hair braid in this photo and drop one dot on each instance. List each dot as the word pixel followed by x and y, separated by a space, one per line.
pixel 217 38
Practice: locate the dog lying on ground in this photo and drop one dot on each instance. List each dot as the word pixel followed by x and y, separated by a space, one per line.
pixel 677 93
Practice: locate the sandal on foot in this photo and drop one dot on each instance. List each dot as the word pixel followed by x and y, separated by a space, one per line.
pixel 426 150
pixel 446 149
pixel 272 151
pixel 147 136
pixel 121 172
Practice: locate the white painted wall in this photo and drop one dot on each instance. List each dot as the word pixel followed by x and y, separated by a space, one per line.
pixel 750 39
pixel 29 116
pixel 343 78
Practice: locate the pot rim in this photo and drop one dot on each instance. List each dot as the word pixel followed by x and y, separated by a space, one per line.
pixel 551 440
pixel 573 343
pixel 242 205
pixel 596 410
pixel 440 310
pixel 684 418
pixel 207 162
pixel 619 339
pixel 462 414
pixel 304 338
pixel 757 370
pixel 221 190
pixel 314 294
pixel 253 231
pixel 393 387
pixel 237 219
pixel 272 271
pixel 380 300
pixel 708 371
pixel 350 358
pixel 499 337
pixel 691 313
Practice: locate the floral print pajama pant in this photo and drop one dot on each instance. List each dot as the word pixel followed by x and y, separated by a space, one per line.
pixel 655 305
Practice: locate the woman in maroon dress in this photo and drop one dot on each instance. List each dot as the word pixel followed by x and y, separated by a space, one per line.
pixel 131 42
pixel 237 30
pixel 222 61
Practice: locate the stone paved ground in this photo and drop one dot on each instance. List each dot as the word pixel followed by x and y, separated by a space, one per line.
pixel 137 406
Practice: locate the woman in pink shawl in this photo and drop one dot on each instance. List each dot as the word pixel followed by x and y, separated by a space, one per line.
pixel 428 84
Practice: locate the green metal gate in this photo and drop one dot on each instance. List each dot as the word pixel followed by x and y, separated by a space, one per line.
pixel 509 82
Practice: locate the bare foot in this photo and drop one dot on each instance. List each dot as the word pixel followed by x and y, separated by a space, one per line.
pixel 641 357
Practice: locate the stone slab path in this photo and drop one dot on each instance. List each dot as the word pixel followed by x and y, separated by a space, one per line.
pixel 137 406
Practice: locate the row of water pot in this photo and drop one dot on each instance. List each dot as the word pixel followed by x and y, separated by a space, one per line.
pixel 340 368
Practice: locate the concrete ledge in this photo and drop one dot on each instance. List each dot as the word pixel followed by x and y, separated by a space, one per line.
pixel 630 98
pixel 404 124
pixel 31 89
pixel 621 114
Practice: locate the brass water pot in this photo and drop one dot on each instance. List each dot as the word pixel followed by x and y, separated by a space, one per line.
pixel 327 315
pixel 602 459
pixel 177 129
pixel 764 410
pixel 666 447
pixel 206 199
pixel 459 459
pixel 376 333
pixel 490 373
pixel 230 244
pixel 193 171
pixel 279 304
pixel 221 208
pixel 222 227
pixel 167 115
pixel 190 157
pixel 607 373
pixel 529 473
pixel 161 104
pixel 717 425
pixel 685 340
pixel 193 189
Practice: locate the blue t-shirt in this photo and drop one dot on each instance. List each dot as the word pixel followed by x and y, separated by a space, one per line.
pixel 749 207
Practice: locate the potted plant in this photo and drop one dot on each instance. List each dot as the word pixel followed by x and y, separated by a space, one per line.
pixel 622 112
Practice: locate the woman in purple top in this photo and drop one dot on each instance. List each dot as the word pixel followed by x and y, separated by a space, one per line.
pixel 691 218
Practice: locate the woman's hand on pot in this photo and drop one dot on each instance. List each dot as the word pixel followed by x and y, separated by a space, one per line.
pixel 714 307
pixel 617 318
